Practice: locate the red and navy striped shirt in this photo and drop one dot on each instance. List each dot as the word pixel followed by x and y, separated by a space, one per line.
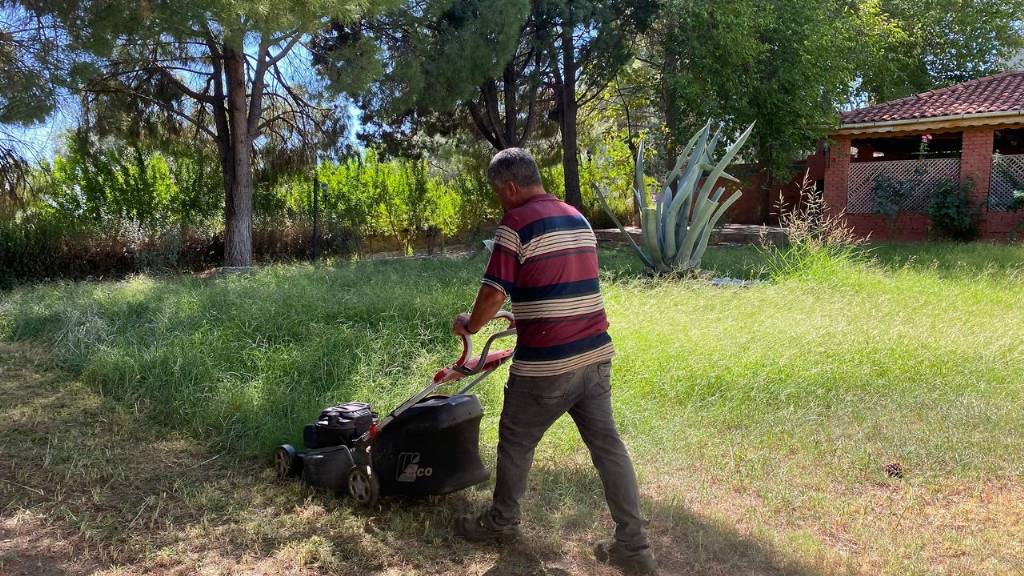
pixel 545 260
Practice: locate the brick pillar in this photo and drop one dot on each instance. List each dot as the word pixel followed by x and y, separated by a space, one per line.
pixel 837 175
pixel 976 161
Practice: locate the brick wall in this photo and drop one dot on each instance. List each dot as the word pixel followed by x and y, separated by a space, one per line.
pixel 837 175
pixel 975 163
pixel 749 209
pixel 976 160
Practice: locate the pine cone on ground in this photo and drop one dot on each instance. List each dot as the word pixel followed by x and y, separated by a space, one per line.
pixel 894 470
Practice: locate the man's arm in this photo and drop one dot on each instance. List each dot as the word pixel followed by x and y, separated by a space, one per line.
pixel 488 302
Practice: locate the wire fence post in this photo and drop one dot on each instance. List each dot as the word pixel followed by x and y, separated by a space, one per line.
pixel 315 243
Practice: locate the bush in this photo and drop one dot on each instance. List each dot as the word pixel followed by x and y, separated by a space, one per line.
pixel 109 210
pixel 953 213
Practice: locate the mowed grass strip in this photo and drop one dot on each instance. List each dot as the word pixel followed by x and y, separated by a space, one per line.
pixel 760 417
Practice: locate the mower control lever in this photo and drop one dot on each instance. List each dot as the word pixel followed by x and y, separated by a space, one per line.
pixel 467 345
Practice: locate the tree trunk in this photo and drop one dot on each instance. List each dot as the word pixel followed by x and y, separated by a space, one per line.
pixel 238 206
pixel 570 152
pixel 672 146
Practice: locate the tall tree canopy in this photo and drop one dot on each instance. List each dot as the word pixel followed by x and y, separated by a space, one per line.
pixel 786 64
pixel 916 45
pixel 31 60
pixel 508 64
pixel 790 65
pixel 408 68
pixel 219 67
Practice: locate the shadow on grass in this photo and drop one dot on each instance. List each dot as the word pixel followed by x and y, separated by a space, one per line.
pixel 115 489
pixel 684 542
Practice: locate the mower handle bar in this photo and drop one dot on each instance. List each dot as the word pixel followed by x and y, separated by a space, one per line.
pixel 467 349
pixel 467 344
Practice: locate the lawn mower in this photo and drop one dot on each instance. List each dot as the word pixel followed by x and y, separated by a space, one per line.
pixel 428 445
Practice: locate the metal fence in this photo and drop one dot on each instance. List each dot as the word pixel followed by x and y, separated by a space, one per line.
pixel 929 173
pixel 1007 178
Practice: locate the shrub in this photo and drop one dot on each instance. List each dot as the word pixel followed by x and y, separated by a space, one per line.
pixel 953 213
pixel 107 211
pixel 890 194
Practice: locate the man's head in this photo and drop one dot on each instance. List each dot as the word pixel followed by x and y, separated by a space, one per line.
pixel 514 176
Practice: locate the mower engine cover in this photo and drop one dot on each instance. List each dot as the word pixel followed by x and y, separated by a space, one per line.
pixel 432 448
pixel 328 467
pixel 338 425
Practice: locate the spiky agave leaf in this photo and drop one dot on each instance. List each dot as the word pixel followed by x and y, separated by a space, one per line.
pixel 683 218
pixel 720 167
pixel 685 154
pixel 712 200
pixel 709 155
pixel 677 229
pixel 689 181
pixel 697 222
pixel 650 231
pixel 698 253
pixel 604 204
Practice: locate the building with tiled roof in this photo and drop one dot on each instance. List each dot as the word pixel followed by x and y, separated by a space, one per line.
pixel 999 98
pixel 973 131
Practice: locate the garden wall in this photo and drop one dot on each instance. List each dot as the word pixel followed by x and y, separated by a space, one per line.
pixel 975 162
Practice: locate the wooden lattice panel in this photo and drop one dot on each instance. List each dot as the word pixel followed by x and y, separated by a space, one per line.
pixel 1007 178
pixel 861 199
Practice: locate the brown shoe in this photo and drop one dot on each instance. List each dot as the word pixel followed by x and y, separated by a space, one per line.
pixel 481 528
pixel 630 562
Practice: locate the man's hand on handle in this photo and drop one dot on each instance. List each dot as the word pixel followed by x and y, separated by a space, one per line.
pixel 488 302
pixel 461 325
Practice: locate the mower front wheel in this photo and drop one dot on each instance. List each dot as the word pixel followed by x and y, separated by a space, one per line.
pixel 363 486
pixel 287 461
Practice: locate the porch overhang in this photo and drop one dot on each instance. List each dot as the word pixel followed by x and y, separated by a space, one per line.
pixel 951 123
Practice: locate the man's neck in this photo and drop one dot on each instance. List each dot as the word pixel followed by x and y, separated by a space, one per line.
pixel 531 194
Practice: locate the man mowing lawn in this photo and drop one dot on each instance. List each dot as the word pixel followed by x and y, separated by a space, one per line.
pixel 545 259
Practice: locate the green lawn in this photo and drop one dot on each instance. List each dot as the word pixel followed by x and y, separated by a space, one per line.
pixel 760 418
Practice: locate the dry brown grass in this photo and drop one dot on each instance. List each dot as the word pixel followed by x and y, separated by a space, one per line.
pixel 87 485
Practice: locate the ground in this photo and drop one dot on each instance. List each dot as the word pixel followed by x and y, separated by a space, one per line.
pixel 137 417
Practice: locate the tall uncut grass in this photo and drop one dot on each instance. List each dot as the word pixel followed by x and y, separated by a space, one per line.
pixel 909 353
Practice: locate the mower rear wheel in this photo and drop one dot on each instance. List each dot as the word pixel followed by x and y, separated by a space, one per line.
pixel 363 486
pixel 287 462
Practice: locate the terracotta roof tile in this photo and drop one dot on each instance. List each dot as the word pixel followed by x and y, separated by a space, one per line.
pixel 999 93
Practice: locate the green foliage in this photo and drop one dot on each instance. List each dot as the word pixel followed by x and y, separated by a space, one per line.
pixel 909 46
pixel 400 199
pixel 111 209
pixel 445 50
pixel 790 64
pixel 952 210
pixel 108 187
pixel 676 231
pixel 785 64
pixel 608 164
pixel 889 194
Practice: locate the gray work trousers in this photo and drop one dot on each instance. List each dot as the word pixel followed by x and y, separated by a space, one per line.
pixel 532 404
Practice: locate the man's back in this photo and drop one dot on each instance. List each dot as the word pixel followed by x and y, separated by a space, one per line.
pixel 545 259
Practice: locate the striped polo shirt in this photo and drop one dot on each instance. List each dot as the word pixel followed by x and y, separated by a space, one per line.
pixel 545 260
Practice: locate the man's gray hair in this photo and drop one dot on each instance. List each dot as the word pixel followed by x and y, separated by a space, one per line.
pixel 513 165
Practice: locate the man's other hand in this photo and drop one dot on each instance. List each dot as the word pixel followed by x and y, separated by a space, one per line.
pixel 460 327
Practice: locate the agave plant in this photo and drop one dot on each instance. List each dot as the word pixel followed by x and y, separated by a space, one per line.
pixel 677 228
